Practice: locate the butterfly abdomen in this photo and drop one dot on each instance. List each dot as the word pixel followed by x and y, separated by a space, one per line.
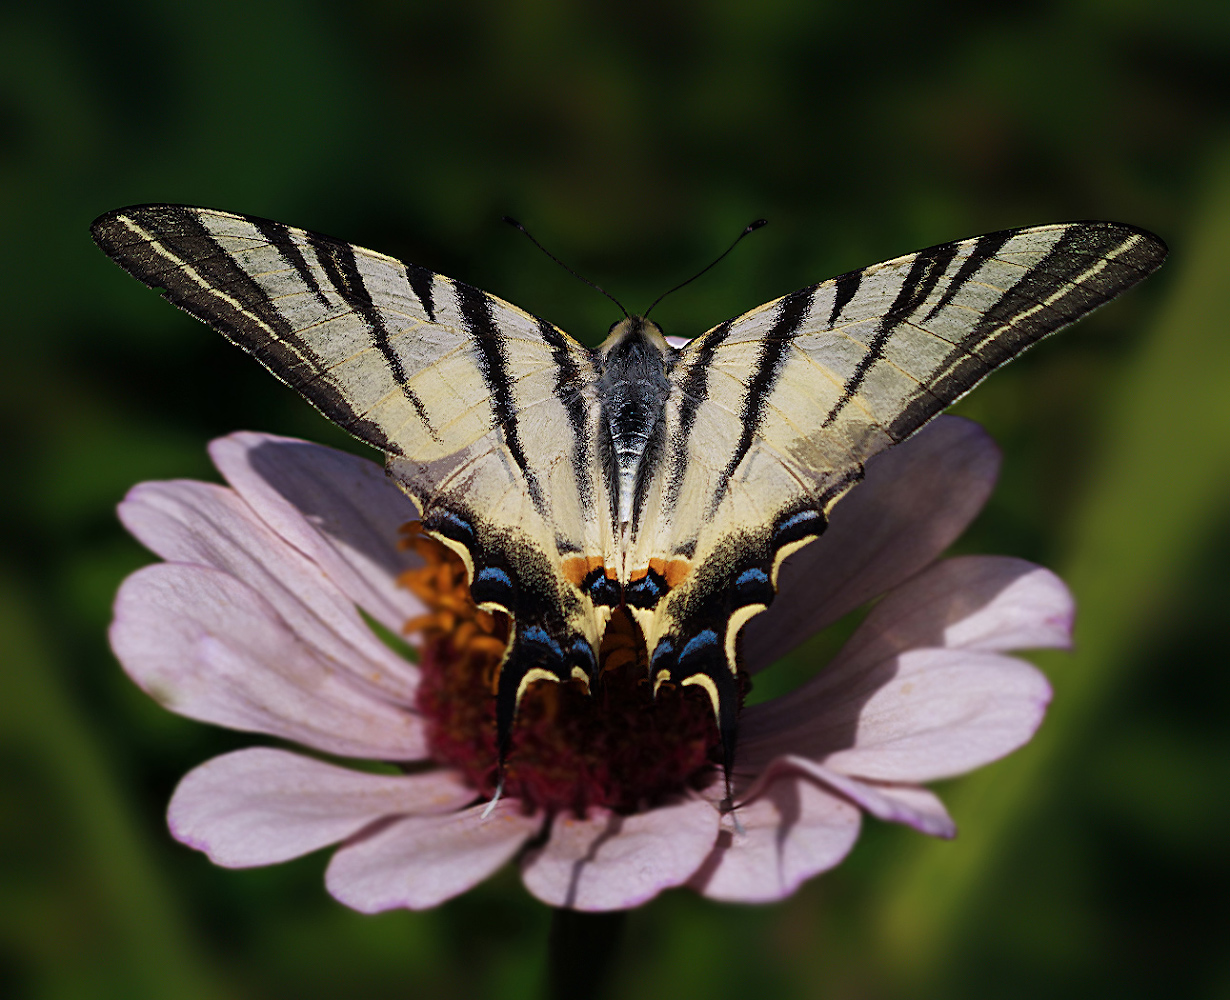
pixel 633 389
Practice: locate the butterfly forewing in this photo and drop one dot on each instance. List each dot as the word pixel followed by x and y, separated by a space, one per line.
pixel 487 414
pixel 773 415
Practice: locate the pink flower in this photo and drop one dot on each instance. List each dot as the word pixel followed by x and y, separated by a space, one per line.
pixel 253 622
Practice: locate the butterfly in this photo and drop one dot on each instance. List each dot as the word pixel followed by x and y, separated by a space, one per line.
pixel 671 481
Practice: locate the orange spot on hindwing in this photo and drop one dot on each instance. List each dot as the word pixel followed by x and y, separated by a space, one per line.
pixel 577 568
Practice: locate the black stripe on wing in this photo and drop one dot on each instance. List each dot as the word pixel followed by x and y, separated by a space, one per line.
pixel 422 282
pixel 791 313
pixel 168 247
pixel 694 390
pixel 479 320
pixel 569 382
pixel 925 272
pixel 985 248
pixel 1087 267
pixel 341 267
pixel 846 288
pixel 280 238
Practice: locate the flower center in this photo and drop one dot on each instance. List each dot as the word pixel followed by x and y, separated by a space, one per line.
pixel 618 747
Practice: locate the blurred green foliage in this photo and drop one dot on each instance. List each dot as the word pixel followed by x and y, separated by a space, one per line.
pixel 635 140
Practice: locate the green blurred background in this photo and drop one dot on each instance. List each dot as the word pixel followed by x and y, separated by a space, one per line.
pixel 635 140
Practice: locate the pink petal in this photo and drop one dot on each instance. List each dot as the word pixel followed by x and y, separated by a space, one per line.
pixel 918 807
pixel 906 804
pixel 262 806
pixel 420 862
pixel 979 603
pixel 207 525
pixel 948 712
pixel 916 499
pixel 792 830
pixel 209 647
pixel 339 510
pixel 922 715
pixel 611 862
pixel 985 603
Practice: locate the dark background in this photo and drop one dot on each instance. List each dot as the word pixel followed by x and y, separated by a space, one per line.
pixel 635 140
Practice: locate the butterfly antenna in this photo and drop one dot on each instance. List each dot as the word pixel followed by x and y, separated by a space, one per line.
pixel 751 227
pixel 516 225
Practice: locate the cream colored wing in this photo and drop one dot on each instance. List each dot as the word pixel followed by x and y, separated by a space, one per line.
pixel 773 415
pixel 487 414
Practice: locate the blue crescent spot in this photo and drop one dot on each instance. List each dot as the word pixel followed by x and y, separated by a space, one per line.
pixel 493 574
pixel 665 648
pixel 541 637
pixel 581 651
pixel 751 576
pixel 698 643
pixel 799 518
pixel 442 519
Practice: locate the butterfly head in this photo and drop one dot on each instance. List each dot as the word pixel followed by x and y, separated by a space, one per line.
pixel 630 334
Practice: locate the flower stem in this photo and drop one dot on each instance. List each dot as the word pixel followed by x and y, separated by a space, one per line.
pixel 580 950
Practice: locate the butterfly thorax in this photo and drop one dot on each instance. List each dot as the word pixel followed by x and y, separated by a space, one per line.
pixel 633 390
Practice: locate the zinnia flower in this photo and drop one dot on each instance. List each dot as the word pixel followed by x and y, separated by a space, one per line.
pixel 265 613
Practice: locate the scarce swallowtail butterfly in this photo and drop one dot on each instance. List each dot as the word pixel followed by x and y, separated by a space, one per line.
pixel 669 481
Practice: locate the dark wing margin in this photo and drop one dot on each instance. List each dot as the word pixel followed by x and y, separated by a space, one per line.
pixel 1092 263
pixel 272 306
pixel 169 247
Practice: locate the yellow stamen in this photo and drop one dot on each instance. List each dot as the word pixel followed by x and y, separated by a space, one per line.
pixel 440 583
